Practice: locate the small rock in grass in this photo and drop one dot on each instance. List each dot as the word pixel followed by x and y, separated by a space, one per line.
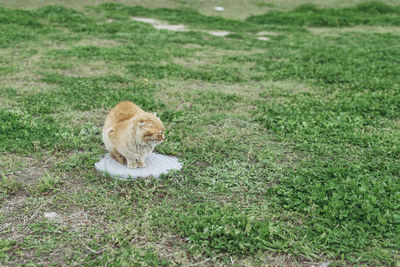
pixel 219 8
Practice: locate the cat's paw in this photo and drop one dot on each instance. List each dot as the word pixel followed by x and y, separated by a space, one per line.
pixel 132 164
pixel 118 157
pixel 141 164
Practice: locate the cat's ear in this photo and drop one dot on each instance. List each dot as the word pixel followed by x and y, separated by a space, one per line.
pixel 155 114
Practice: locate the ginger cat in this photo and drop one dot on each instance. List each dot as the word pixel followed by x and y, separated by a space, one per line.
pixel 130 133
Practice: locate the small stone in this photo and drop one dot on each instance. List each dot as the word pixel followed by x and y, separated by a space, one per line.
pixel 219 8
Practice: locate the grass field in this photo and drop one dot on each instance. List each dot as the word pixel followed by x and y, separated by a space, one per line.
pixel 290 146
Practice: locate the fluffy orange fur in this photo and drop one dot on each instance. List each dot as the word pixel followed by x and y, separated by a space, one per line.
pixel 130 133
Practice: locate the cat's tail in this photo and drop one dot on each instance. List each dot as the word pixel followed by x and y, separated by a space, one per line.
pixel 106 138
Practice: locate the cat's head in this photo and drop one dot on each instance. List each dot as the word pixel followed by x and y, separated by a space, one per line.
pixel 148 128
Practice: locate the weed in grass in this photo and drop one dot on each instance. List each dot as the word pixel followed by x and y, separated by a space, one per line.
pixel 5 248
pixel 48 183
pixel 8 91
pixel 8 187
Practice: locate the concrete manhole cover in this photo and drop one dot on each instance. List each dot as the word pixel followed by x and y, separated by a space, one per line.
pixel 156 164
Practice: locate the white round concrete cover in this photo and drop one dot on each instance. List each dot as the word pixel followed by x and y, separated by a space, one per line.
pixel 156 164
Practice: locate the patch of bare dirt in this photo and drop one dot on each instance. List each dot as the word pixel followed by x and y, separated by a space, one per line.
pixel 161 25
pixel 262 38
pixel 26 170
pixel 357 29
pixel 268 33
pixel 218 33
pixel 98 43
pixel 179 27
pixel 94 68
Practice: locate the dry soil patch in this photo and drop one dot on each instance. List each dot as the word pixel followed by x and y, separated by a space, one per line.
pixel 161 25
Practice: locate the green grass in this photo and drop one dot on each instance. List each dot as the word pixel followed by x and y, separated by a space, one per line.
pixel 45 185
pixel 8 187
pixel 290 147
pixel 28 133
pixel 369 13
